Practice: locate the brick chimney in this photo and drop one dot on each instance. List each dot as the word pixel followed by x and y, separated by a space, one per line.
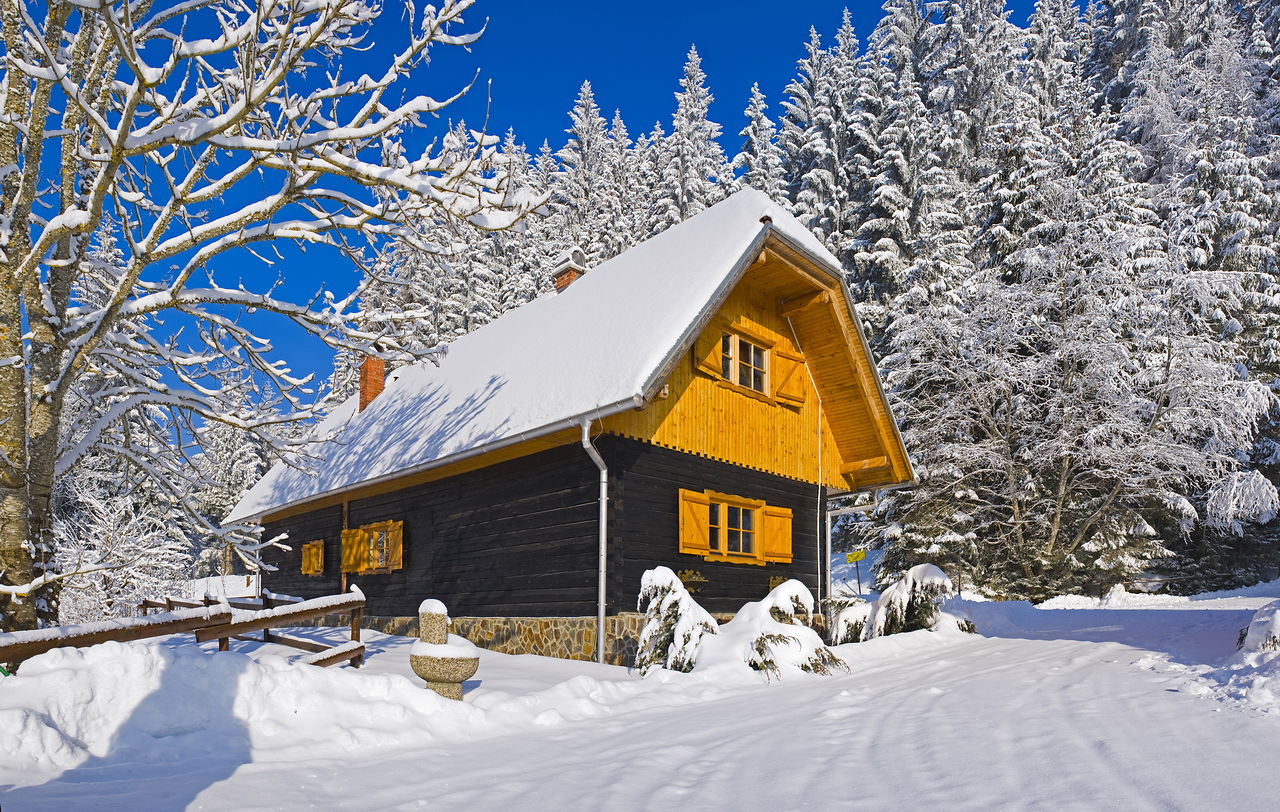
pixel 373 376
pixel 568 267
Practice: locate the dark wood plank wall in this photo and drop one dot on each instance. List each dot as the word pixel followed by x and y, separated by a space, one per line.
pixel 324 524
pixel 519 538
pixel 644 523
pixel 516 539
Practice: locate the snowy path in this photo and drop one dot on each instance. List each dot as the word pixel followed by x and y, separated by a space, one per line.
pixel 966 725
pixel 1074 708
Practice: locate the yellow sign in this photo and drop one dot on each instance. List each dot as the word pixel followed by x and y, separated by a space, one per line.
pixel 859 555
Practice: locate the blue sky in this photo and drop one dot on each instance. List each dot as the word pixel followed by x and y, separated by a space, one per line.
pixel 534 56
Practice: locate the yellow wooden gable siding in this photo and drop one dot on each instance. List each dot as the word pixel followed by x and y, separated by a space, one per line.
pixel 704 415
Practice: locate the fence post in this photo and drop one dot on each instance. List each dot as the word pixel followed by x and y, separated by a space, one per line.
pixel 224 643
pixel 267 603
pixel 357 617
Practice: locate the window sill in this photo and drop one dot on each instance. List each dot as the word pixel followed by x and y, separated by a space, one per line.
pixel 728 558
pixel 746 390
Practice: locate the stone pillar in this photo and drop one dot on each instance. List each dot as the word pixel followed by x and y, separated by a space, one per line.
pixel 445 664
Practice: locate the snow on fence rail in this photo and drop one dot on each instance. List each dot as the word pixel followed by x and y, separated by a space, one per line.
pixel 263 614
pixel 18 646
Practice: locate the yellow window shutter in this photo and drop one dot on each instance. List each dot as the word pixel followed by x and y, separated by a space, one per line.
pixel 694 522
pixel 313 558
pixel 706 351
pixel 396 540
pixel 354 550
pixel 790 378
pixel 777 534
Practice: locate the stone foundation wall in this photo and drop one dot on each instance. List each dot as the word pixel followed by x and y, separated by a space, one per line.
pixel 568 638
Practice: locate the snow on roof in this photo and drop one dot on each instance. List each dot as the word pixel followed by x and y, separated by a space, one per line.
pixel 592 350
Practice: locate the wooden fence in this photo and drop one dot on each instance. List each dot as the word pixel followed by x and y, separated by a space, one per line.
pixel 273 611
pixel 208 619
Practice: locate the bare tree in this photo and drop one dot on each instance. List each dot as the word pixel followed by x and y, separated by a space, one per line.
pixel 192 130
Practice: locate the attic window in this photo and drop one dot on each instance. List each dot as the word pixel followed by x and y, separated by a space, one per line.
pixel 744 363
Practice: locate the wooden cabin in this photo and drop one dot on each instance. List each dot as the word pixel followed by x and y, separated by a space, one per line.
pixel 693 402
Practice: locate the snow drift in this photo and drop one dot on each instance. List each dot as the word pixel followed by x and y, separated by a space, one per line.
pixel 70 705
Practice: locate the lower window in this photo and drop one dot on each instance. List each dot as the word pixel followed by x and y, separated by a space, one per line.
pixel 737 529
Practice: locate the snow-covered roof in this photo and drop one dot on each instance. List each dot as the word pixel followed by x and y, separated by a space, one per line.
pixel 595 349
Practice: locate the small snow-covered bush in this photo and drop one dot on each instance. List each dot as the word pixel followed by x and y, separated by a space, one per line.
pixel 847 617
pixel 770 637
pixel 1263 632
pixel 913 602
pixel 674 623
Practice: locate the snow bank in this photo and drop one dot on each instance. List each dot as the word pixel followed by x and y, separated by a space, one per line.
pixel 1252 675
pixel 770 638
pixel 914 602
pixel 674 623
pixel 1263 632
pixel 71 705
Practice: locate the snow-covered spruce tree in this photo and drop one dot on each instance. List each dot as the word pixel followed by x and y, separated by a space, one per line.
pixel 799 136
pixel 674 623
pixel 1066 412
pixel 197 145
pixel 695 174
pixel 582 199
pixel 760 159
pixel 835 152
pixel 653 153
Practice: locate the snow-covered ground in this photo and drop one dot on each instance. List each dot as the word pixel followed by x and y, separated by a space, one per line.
pixel 1134 701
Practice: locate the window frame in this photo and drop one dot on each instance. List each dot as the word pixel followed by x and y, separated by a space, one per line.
pixel 732 360
pixel 719 510
pixel 704 528
pixel 366 536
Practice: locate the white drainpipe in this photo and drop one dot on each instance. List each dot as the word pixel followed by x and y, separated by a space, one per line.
pixel 604 534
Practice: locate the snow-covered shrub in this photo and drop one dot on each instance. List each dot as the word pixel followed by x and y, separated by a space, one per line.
pixel 1263 632
pixel 770 637
pixel 674 623
pixel 914 602
pixel 846 618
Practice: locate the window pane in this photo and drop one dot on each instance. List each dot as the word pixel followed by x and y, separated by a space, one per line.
pixel 748 542
pixel 757 380
pixel 748 519
pixel 713 534
pixel 744 374
pixel 735 541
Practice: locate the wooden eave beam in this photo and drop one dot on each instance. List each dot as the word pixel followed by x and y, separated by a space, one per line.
pixel 795 304
pixel 861 466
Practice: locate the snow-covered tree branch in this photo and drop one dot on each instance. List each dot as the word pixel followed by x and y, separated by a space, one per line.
pixel 145 147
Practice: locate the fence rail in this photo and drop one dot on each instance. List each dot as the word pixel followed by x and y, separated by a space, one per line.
pixel 208 619
pixel 273 611
pixel 18 646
